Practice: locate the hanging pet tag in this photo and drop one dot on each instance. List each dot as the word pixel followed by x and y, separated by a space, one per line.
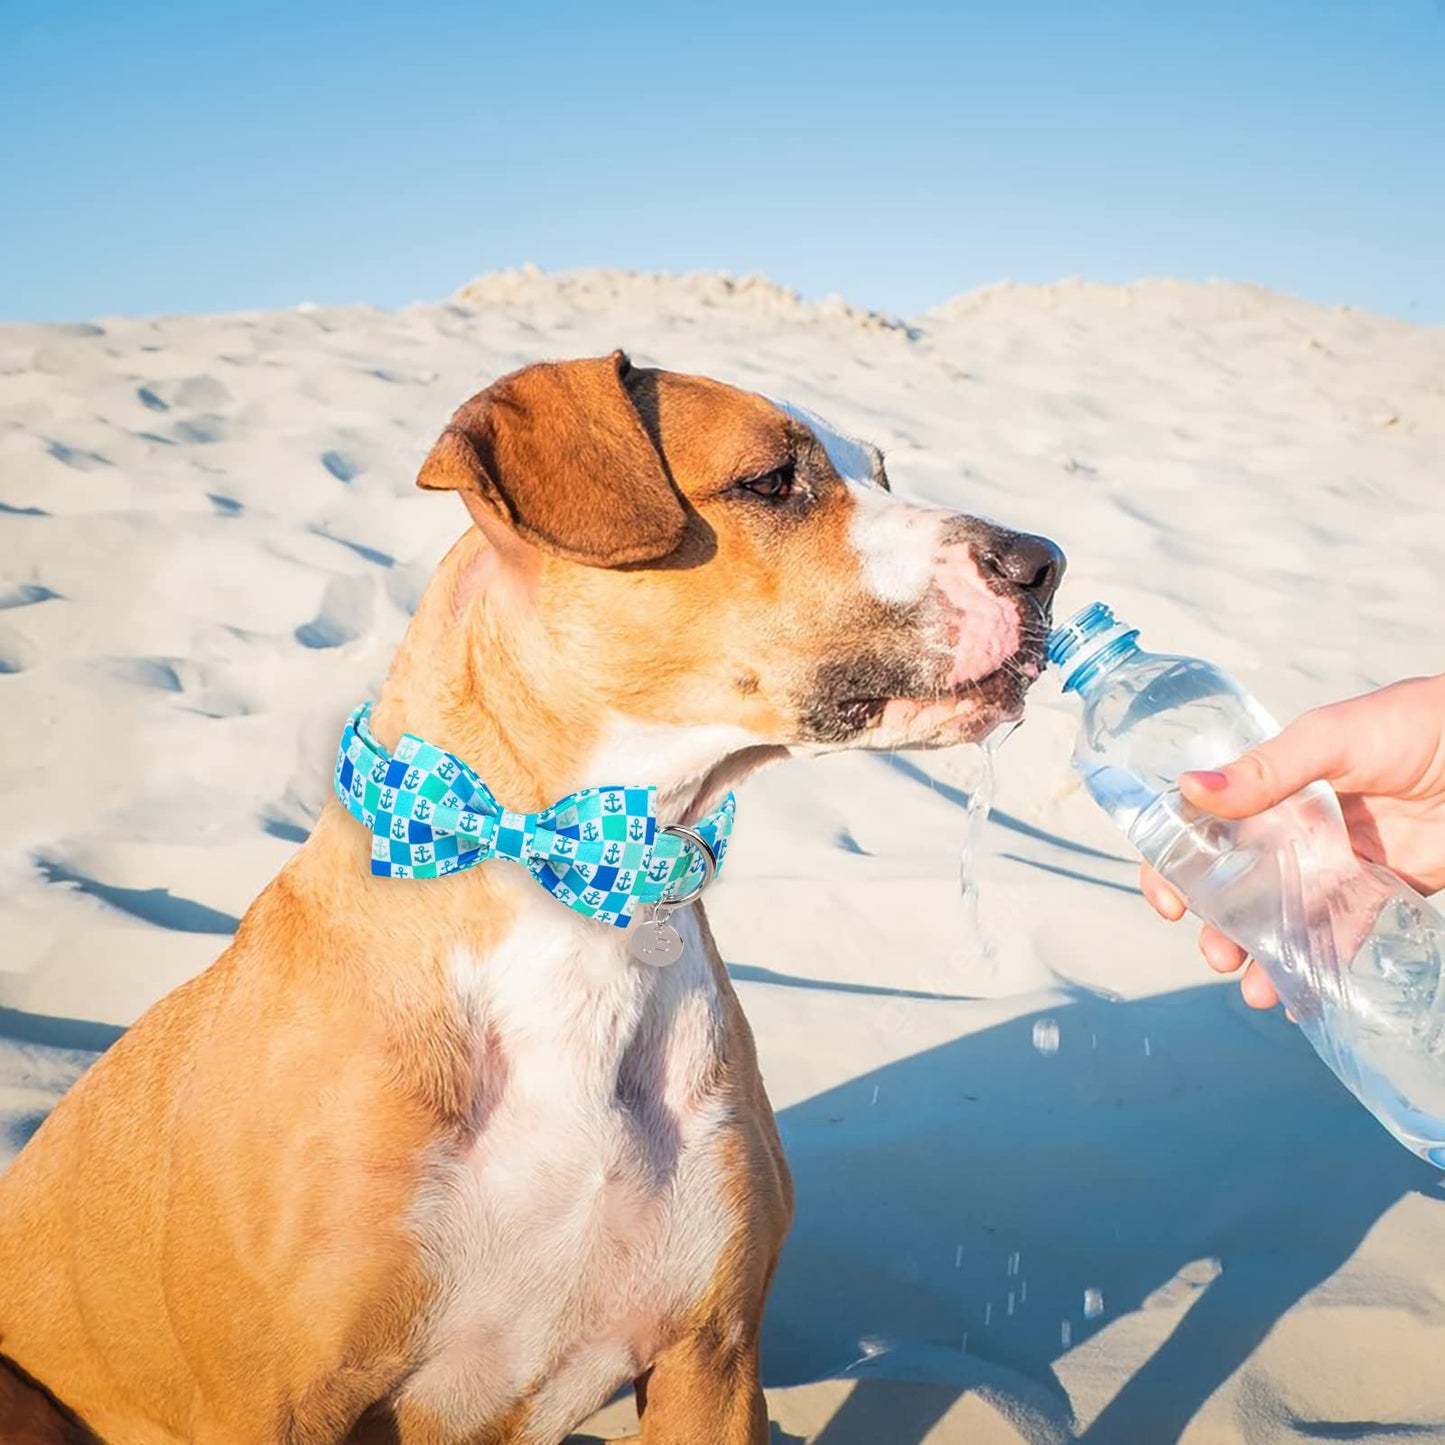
pixel 655 941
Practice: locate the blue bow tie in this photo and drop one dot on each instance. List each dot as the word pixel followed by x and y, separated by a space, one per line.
pixel 599 850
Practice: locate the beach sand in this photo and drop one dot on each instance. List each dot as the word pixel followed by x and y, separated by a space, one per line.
pixel 1174 1224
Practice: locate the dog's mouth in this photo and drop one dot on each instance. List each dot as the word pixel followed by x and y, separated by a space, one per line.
pixel 966 712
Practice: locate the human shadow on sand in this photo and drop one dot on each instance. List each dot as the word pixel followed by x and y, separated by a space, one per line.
pixel 1178 1138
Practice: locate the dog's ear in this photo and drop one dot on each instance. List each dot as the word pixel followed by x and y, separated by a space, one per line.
pixel 559 454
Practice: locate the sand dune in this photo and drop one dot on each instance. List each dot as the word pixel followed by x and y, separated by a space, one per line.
pixel 210 543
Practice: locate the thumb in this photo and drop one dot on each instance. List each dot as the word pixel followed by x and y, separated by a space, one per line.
pixel 1308 750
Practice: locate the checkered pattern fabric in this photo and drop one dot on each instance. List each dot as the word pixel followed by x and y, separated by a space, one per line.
pixel 598 851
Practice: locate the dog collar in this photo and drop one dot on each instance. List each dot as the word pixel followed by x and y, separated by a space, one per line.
pixel 599 851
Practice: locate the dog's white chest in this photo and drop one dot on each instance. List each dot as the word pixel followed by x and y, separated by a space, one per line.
pixel 588 1211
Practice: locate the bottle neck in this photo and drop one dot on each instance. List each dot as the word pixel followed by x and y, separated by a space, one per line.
pixel 1087 668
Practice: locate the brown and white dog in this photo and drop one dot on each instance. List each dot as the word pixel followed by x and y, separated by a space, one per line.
pixel 438 1161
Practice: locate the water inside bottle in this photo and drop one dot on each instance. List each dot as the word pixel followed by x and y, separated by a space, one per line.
pixel 1358 965
pixel 1398 1025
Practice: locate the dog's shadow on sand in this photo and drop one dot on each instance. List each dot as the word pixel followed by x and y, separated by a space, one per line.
pixel 1177 1150
pixel 1178 1147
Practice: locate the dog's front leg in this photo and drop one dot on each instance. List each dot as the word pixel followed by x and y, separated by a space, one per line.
pixel 705 1387
pixel 704 1390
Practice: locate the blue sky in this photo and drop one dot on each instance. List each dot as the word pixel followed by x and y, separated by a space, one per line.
pixel 207 156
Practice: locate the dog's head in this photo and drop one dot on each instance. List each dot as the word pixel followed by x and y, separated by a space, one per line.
pixel 689 555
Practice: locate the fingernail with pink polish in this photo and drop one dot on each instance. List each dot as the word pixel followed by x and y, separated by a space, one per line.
pixel 1211 781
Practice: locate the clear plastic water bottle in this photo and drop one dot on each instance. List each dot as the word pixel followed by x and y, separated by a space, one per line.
pixel 1353 951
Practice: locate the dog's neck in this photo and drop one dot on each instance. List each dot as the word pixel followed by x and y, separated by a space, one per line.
pixel 477 675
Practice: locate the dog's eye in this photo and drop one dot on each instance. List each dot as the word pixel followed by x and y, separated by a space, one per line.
pixel 774 486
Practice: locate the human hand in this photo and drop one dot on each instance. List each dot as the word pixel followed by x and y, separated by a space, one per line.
pixel 1383 753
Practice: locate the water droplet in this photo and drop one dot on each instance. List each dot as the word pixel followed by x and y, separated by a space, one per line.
pixel 1066 1333
pixel 1093 1303
pixel 1046 1036
pixel 958 1257
pixel 988 1314
pixel 869 1347
pixel 875 1093
pixel 1010 1301
pixel 1023 1291
pixel 1147 1050
pixel 1013 1264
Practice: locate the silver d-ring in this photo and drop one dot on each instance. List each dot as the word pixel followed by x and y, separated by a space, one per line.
pixel 690 836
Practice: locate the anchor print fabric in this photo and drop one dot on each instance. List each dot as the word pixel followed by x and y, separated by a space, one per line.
pixel 598 851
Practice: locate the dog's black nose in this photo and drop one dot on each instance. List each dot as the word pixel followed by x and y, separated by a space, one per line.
pixel 1031 563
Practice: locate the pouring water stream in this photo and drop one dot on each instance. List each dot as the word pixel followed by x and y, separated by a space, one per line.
pixel 976 816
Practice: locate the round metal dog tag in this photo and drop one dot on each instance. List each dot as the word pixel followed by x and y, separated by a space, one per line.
pixel 657 944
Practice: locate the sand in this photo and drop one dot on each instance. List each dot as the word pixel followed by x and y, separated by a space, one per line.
pixel 210 543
